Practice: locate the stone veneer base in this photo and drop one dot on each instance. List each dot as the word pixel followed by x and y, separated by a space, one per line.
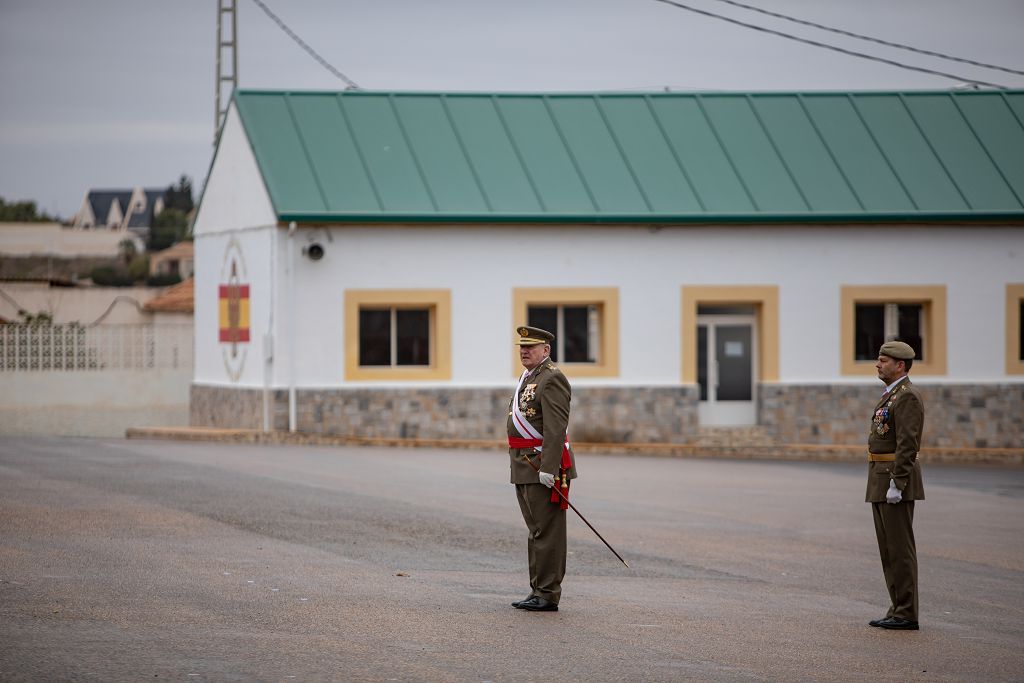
pixel 604 414
pixel 982 416
pixel 956 415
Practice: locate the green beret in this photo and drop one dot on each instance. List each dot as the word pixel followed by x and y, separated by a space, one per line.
pixel 531 336
pixel 896 349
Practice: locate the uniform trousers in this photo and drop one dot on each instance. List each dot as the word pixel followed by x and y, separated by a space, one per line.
pixel 546 545
pixel 894 528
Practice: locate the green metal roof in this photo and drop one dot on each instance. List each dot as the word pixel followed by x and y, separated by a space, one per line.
pixel 639 158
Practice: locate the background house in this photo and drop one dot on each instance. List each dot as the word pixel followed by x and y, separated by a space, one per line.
pixel 708 261
pixel 177 260
pixel 121 210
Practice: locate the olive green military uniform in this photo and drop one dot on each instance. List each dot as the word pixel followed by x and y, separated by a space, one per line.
pixel 544 397
pixel 896 435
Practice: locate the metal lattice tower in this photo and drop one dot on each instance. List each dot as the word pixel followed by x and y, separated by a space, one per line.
pixel 227 50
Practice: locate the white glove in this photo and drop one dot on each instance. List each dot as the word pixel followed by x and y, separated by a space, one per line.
pixel 546 479
pixel 893 495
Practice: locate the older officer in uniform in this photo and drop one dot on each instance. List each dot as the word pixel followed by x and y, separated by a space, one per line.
pixel 894 481
pixel 537 422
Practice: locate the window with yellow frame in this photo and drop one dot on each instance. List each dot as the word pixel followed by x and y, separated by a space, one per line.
pixel 875 314
pixel 584 320
pixel 397 334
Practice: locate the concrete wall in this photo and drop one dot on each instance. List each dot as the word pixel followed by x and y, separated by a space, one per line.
pixel 94 381
pixel 78 304
pixel 100 404
pixel 53 239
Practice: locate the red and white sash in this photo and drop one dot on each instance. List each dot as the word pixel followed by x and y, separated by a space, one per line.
pixel 526 430
pixel 529 437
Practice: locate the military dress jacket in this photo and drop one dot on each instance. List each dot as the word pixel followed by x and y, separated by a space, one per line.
pixel 896 428
pixel 544 399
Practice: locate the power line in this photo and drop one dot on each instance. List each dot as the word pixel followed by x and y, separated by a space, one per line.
pixel 313 53
pixel 826 46
pixel 860 36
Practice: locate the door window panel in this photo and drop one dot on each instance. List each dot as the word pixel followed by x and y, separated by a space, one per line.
pixel 735 362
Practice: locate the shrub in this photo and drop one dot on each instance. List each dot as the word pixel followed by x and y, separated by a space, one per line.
pixel 108 276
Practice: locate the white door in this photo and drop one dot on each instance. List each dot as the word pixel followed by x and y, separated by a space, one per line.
pixel 726 359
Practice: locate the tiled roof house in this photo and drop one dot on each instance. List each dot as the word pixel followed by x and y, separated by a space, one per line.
pixel 121 210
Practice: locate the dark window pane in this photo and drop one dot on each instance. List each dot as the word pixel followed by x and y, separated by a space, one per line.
pixel 374 336
pixel 576 333
pixel 702 361
pixel 413 336
pixel 546 318
pixel 910 328
pixel 869 330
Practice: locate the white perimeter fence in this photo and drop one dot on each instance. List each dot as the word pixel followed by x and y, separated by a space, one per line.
pixel 73 380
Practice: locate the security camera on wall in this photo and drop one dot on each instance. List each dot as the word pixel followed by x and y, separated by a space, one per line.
pixel 314 251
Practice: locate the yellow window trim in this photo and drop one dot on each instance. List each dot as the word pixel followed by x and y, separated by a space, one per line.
pixel 606 298
pixel 764 298
pixel 933 297
pixel 439 301
pixel 1014 295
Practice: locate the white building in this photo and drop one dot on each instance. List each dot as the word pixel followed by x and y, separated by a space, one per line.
pixel 705 259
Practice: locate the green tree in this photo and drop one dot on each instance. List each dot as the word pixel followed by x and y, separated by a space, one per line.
pixel 109 276
pixel 179 196
pixel 169 227
pixel 126 249
pixel 25 212
pixel 138 268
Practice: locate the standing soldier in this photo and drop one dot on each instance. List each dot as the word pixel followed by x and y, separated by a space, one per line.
pixel 541 459
pixel 894 481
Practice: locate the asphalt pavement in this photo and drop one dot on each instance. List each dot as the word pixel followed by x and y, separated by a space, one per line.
pixel 143 560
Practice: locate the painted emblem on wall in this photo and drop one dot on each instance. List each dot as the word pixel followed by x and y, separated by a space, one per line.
pixel 233 304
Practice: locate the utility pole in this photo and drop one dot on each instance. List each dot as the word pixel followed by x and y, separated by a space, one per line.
pixel 227 50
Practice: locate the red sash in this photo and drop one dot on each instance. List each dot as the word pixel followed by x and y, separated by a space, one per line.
pixel 520 442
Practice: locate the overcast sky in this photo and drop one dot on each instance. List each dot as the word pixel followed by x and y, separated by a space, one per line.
pixel 118 93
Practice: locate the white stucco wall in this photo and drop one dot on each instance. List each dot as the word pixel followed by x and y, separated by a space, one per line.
pixel 482 265
pixel 234 196
pixel 213 257
pixel 235 210
pixel 809 264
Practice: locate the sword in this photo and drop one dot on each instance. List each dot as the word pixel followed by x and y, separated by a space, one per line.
pixel 536 468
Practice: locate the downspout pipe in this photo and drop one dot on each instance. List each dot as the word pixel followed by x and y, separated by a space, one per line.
pixel 291 326
pixel 268 338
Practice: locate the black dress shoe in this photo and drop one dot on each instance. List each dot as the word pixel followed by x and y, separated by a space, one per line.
pixel 897 624
pixel 877 622
pixel 538 604
pixel 519 603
